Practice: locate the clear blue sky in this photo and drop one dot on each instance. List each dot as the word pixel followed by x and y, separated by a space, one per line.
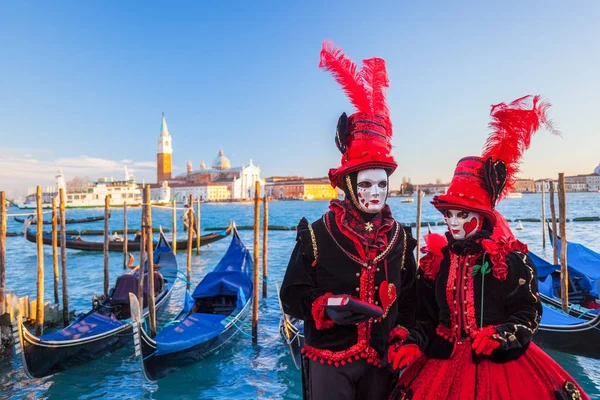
pixel 86 82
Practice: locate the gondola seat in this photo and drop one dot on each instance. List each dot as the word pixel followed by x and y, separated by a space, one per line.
pixel 125 284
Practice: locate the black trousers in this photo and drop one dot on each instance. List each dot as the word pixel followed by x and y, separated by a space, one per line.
pixel 357 380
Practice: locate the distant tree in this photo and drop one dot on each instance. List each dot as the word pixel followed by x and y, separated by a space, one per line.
pixel 409 189
pixel 78 184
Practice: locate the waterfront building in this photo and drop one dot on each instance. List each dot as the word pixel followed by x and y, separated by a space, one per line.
pixel 434 188
pixel 300 188
pixel 546 184
pixel 319 189
pixel 525 186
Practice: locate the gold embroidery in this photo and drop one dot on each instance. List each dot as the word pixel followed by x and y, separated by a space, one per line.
pixel 349 186
pixel 314 242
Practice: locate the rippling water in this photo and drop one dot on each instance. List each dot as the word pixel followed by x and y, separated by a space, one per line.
pixel 242 370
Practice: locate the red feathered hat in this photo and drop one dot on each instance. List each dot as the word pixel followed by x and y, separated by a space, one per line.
pixel 364 138
pixel 480 182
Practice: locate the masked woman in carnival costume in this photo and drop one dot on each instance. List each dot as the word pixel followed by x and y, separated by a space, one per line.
pixel 356 253
pixel 477 287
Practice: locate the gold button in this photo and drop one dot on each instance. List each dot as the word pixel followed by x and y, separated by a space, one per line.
pixel 465 313
pixel 376 287
pixel 358 289
pixel 465 288
pixel 368 267
pixel 456 312
pixel 453 287
pixel 358 274
pixel 465 302
pixel 376 303
pixel 378 269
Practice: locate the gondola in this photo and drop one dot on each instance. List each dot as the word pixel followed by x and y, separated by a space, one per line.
pixel 292 332
pixel 583 260
pixel 562 332
pixel 76 243
pixel 103 329
pixel 549 288
pixel 67 221
pixel 210 318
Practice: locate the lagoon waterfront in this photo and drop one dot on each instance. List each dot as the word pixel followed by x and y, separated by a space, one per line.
pixel 241 370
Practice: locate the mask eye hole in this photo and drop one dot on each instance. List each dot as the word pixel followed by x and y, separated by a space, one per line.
pixel 382 184
pixel 365 185
pixel 463 215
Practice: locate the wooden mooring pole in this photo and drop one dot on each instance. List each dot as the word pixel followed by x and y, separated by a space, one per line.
pixel 190 220
pixel 554 233
pixel 125 235
pixel 419 210
pixel 151 304
pixel 256 267
pixel 265 244
pixel 3 220
pixel 140 293
pixel 63 257
pixel 55 249
pixel 564 272
pixel 543 215
pixel 198 227
pixel 174 228
pixel 39 314
pixel 106 213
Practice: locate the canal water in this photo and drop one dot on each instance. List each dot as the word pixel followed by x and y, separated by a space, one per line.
pixel 242 370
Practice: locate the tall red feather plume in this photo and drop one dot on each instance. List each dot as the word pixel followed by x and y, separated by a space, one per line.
pixel 374 75
pixel 344 71
pixel 512 126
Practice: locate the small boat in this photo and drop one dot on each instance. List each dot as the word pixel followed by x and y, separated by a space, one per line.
pixel 549 289
pixel 76 243
pixel 209 320
pixel 292 331
pixel 514 195
pixel 520 226
pixel 67 221
pixel 407 200
pixel 105 328
pixel 563 332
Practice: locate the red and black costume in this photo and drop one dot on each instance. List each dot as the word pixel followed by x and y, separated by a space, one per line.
pixel 481 292
pixel 349 252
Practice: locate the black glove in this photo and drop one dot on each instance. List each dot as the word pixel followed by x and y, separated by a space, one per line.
pixel 345 317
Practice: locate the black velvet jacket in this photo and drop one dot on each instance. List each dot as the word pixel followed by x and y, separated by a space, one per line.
pixel 450 302
pixel 325 261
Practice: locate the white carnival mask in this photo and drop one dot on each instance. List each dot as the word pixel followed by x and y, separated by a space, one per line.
pixel 372 188
pixel 463 224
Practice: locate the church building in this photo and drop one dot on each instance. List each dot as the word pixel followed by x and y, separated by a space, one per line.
pixel 220 182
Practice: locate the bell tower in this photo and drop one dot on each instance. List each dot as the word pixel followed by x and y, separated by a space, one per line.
pixel 164 153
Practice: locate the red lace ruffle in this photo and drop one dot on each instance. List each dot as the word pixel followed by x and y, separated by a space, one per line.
pixel 430 262
pixel 322 321
pixel 498 250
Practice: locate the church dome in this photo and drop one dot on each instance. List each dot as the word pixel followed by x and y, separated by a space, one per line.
pixel 597 170
pixel 221 162
pixel 202 165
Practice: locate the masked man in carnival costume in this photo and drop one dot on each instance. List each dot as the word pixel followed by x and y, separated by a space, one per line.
pixel 478 299
pixel 351 276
